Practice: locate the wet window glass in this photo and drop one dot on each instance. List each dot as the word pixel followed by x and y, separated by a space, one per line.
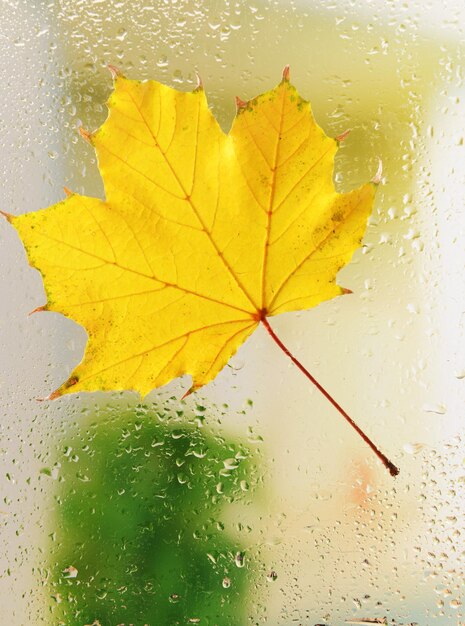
pixel 250 501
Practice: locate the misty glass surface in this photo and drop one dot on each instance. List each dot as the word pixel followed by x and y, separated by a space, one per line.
pixel 250 502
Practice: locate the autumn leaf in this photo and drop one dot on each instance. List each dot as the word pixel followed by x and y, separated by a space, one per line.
pixel 203 235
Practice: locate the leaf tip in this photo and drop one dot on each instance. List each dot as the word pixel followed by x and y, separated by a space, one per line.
pixel 286 73
pixel 7 216
pixel 240 104
pixel 340 138
pixel 38 309
pixel 195 386
pixel 379 174
pixel 51 396
pixel 188 393
pixel 199 86
pixel 85 135
pixel 114 71
pixel 61 390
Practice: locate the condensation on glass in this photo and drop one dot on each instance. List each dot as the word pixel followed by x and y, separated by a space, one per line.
pixel 251 502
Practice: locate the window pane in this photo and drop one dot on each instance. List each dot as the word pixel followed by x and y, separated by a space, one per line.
pixel 251 501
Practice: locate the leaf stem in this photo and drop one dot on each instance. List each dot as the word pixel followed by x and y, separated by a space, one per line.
pixel 393 470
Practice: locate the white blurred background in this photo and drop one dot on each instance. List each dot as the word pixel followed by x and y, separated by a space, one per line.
pixel 346 540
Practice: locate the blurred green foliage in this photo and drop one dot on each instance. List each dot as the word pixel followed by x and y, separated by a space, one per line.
pixel 141 497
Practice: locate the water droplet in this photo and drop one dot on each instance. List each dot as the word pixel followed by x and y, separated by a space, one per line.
pixel 122 34
pixel 231 464
pixel 413 448
pixel 162 61
pixel 439 409
pixel 71 571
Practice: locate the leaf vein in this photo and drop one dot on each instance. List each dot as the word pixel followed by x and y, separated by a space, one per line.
pixel 147 351
pixel 194 209
pixel 306 173
pixel 270 202
pixel 223 347
pixel 133 271
pixel 318 246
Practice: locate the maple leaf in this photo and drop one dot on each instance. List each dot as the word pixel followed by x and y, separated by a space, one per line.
pixel 202 236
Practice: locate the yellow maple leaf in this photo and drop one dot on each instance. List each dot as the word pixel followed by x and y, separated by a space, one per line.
pixel 202 236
